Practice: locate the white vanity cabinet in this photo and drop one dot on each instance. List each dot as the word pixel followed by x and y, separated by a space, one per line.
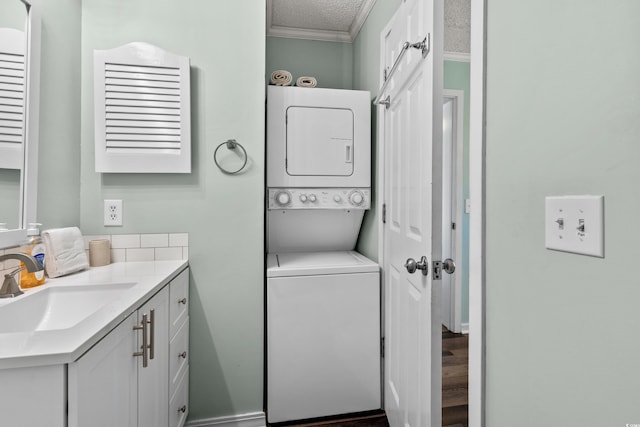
pixel 127 378
pixel 179 350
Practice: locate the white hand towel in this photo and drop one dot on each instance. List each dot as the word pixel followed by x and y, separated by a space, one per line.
pixel 281 78
pixel 64 251
pixel 306 81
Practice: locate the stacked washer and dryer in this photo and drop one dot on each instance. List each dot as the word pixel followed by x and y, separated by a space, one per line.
pixel 323 298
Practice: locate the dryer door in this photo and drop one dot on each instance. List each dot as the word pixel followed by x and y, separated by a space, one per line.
pixel 319 141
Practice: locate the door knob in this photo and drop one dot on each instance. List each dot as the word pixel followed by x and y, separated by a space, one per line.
pixel 448 265
pixel 411 265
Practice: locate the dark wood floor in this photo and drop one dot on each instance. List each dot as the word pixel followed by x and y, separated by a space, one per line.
pixel 377 419
pixel 455 377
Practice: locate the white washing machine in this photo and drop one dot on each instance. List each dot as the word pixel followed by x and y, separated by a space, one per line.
pixel 323 352
pixel 323 299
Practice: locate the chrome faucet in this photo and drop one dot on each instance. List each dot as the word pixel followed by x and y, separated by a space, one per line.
pixel 10 287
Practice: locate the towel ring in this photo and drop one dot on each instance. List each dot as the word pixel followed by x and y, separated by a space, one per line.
pixel 231 145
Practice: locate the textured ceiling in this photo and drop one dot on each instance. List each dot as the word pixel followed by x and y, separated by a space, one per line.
pixel 341 20
pixel 332 15
pixel 335 20
pixel 457 26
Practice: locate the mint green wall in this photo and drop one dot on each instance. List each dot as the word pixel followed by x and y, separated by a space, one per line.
pixel 14 14
pixel 223 214
pixel 366 76
pixel 330 63
pixel 562 117
pixel 456 76
pixel 59 147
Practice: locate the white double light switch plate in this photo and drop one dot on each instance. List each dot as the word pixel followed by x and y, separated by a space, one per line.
pixel 575 224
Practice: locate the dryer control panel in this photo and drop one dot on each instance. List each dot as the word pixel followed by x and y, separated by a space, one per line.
pixel 318 198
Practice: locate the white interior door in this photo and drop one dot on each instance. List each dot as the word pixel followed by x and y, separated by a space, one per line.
pixel 411 140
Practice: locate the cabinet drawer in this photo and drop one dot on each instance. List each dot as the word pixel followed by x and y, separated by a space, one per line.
pixel 178 356
pixel 179 406
pixel 178 301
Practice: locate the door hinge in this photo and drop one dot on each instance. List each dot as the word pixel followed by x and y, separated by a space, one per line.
pixel 382 347
pixel 386 102
pixel 384 213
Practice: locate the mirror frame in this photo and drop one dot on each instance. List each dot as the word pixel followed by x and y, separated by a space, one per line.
pixel 29 176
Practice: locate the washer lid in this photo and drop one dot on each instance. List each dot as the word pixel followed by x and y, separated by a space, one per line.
pixel 318 263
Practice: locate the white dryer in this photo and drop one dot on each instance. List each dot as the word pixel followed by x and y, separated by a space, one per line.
pixel 318 167
pixel 323 341
pixel 318 137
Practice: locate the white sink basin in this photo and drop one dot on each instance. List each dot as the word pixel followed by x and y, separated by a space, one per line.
pixel 59 307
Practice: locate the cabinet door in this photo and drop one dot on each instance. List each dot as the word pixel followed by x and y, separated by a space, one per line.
pixel 153 380
pixel 103 382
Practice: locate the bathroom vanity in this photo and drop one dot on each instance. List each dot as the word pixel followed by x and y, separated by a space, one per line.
pixel 105 347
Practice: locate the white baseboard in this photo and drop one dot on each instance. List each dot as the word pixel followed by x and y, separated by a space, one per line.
pixel 464 328
pixel 253 419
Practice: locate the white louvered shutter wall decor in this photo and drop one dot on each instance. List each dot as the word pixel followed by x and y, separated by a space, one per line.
pixel 12 95
pixel 142 110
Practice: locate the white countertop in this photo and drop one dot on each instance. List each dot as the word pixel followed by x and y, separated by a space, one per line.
pixel 37 348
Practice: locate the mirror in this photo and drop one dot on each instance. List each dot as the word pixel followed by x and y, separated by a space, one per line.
pixel 19 94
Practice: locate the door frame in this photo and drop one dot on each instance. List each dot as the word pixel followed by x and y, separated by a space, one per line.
pixel 457 165
pixel 477 135
pixel 477 374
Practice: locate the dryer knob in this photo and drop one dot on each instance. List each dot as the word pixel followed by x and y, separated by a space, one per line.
pixel 303 198
pixel 356 198
pixel 282 198
pixel 337 198
pixel 312 198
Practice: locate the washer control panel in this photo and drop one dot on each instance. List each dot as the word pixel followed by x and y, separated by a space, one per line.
pixel 319 198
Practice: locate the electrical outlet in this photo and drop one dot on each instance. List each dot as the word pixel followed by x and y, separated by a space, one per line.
pixel 112 213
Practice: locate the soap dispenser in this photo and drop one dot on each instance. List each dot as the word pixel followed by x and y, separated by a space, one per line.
pixel 36 249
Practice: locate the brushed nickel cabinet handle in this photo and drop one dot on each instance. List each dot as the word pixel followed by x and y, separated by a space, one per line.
pixel 152 331
pixel 144 346
pixel 183 355
pixel 182 301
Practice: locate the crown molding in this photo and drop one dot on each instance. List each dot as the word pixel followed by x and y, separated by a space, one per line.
pixel 456 56
pixel 361 18
pixel 307 34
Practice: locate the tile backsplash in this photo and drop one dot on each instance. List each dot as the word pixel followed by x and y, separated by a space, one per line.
pixel 145 247
pixel 128 247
